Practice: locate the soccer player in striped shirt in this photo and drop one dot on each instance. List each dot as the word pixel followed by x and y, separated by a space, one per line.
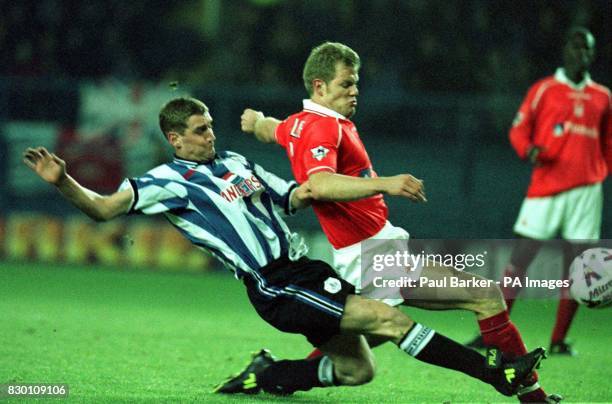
pixel 563 128
pixel 233 208
pixel 325 149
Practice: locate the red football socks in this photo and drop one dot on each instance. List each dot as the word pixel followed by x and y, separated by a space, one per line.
pixel 510 292
pixel 565 314
pixel 499 331
pixel 314 354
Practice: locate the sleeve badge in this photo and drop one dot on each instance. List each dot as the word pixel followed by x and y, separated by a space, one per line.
pixel 319 152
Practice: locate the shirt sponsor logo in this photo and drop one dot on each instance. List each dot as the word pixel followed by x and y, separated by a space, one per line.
pixel 240 187
pixel 582 130
pixel 575 129
pixel 319 152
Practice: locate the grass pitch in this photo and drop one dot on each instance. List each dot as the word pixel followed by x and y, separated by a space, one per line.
pixel 133 336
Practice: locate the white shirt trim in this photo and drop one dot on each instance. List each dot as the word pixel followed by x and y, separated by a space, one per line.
pixel 320 168
pixel 561 77
pixel 312 106
pixel 536 99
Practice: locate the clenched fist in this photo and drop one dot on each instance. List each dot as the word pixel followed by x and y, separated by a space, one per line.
pixel 248 119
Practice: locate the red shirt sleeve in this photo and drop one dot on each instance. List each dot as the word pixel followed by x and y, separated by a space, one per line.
pixel 521 133
pixel 320 142
pixel 606 135
pixel 280 133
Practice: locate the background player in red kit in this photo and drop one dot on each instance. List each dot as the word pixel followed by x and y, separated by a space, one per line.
pixel 324 148
pixel 564 129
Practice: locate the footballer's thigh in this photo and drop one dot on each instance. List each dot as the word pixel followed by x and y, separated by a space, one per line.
pixel 355 264
pixel 353 362
pixel 445 288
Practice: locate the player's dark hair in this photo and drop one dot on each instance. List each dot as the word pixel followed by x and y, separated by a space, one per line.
pixel 321 64
pixel 582 31
pixel 175 113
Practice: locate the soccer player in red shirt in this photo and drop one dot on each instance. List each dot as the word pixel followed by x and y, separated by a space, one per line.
pixel 289 291
pixel 325 149
pixel 564 129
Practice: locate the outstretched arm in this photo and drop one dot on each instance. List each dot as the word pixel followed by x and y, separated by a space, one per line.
pixel 261 126
pixel 327 186
pixel 52 169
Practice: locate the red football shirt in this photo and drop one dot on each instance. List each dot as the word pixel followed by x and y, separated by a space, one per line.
pixel 572 123
pixel 319 139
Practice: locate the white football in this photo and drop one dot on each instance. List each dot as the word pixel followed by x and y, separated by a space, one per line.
pixel 591 278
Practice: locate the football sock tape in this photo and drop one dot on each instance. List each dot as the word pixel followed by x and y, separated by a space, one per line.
pixel 326 371
pixel 416 339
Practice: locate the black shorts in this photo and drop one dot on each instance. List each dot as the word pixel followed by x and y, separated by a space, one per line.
pixel 302 297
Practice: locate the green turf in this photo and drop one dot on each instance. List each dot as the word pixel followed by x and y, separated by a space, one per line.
pixel 134 336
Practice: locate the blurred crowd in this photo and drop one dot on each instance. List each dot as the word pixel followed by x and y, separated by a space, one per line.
pixel 419 45
pixel 86 78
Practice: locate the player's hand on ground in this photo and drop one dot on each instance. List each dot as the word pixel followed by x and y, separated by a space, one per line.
pixel 47 165
pixel 248 119
pixel 407 186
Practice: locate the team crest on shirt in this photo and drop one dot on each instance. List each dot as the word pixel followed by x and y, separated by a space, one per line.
pixel 319 152
pixel 579 109
pixel 332 285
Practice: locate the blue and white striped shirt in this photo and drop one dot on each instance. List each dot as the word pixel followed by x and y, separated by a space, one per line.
pixel 229 206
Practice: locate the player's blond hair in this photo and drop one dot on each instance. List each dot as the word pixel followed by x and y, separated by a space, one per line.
pixel 321 63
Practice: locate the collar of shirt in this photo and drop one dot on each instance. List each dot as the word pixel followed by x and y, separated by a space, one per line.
pixel 193 163
pixel 310 105
pixel 562 77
